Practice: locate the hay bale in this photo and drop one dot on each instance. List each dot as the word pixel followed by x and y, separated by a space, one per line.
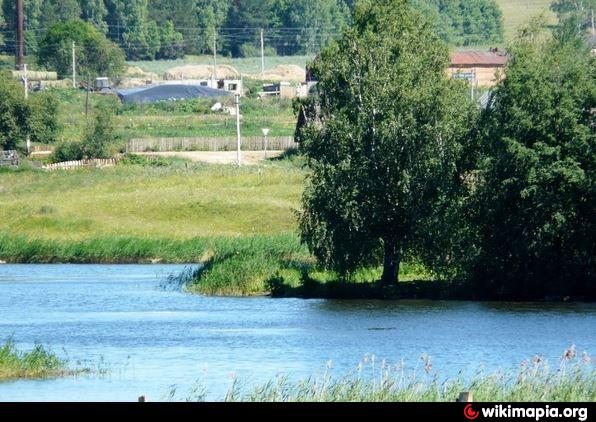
pixel 199 72
pixel 35 75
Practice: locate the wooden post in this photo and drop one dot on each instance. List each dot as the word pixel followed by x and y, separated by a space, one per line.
pixel 465 397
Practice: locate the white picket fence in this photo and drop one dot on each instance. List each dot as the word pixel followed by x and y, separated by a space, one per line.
pixel 70 165
pixel 254 143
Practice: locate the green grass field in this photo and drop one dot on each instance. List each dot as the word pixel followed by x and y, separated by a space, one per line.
pixel 177 119
pixel 177 201
pixel 518 12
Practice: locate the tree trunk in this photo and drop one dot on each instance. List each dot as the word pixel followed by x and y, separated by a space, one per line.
pixel 391 263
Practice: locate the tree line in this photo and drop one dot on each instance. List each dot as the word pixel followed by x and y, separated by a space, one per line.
pixel 405 165
pixel 159 29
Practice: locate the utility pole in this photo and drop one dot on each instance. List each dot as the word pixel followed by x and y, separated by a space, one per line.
pixel 214 59
pixel 237 98
pixel 262 53
pixel 26 82
pixel 74 65
pixel 265 134
pixel 20 17
pixel 87 97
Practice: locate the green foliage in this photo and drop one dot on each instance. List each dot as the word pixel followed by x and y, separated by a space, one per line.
pixel 55 11
pixel 15 113
pixel 172 43
pixel 100 134
pixel 470 22
pixel 96 55
pixel 95 12
pixel 575 17
pixel 2 25
pixel 534 202
pixel 68 151
pixel 44 124
pixel 383 141
pixel 38 363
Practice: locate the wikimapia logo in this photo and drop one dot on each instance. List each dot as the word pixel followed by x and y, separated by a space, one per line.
pixel 470 413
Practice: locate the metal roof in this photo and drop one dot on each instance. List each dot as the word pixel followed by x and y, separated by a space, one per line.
pixel 478 58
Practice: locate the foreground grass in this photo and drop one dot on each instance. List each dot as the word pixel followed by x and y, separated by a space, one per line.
pixel 38 363
pixel 573 381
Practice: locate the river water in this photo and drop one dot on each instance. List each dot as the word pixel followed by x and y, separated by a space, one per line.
pixel 142 338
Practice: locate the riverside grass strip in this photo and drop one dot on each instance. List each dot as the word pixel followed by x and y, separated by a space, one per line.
pixel 35 364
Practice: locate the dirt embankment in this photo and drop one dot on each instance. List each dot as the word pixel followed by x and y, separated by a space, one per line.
pixel 199 72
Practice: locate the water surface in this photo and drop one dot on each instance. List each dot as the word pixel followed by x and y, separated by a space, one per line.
pixel 153 338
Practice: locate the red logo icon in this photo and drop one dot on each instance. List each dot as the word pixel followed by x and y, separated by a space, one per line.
pixel 470 413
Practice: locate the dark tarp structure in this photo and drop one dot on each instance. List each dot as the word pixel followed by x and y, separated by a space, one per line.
pixel 168 92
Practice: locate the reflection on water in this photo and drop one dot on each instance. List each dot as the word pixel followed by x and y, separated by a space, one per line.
pixel 153 338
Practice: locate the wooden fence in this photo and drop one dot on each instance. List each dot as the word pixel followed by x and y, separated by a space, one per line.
pixel 70 165
pixel 255 143
pixel 9 158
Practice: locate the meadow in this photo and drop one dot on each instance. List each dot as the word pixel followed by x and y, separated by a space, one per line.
pixel 175 119
pixel 518 12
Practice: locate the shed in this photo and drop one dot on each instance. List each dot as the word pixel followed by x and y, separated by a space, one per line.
pixel 167 92
pixel 481 67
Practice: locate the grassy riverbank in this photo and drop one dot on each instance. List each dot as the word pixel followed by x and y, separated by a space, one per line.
pixel 37 363
pixel 239 222
pixel 573 380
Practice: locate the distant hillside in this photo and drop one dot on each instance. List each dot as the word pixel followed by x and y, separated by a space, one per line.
pixel 516 12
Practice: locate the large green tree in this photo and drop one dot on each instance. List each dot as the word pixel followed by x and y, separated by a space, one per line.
pixel 32 24
pixel 310 25
pixel 575 17
pixel 36 117
pixel 2 25
pixel 535 203
pixel 95 54
pixel 383 139
pixel 95 12
pixel 54 11
pixel 14 113
pixel 211 15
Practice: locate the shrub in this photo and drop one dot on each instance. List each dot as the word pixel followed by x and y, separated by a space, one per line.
pixel 68 151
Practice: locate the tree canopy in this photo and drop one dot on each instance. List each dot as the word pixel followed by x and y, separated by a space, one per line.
pixel 154 29
pixel 36 117
pixel 533 209
pixel 383 139
pixel 96 55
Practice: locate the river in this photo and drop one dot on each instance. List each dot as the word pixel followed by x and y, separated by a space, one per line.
pixel 152 339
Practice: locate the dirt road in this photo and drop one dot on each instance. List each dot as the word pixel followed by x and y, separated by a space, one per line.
pixel 223 157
